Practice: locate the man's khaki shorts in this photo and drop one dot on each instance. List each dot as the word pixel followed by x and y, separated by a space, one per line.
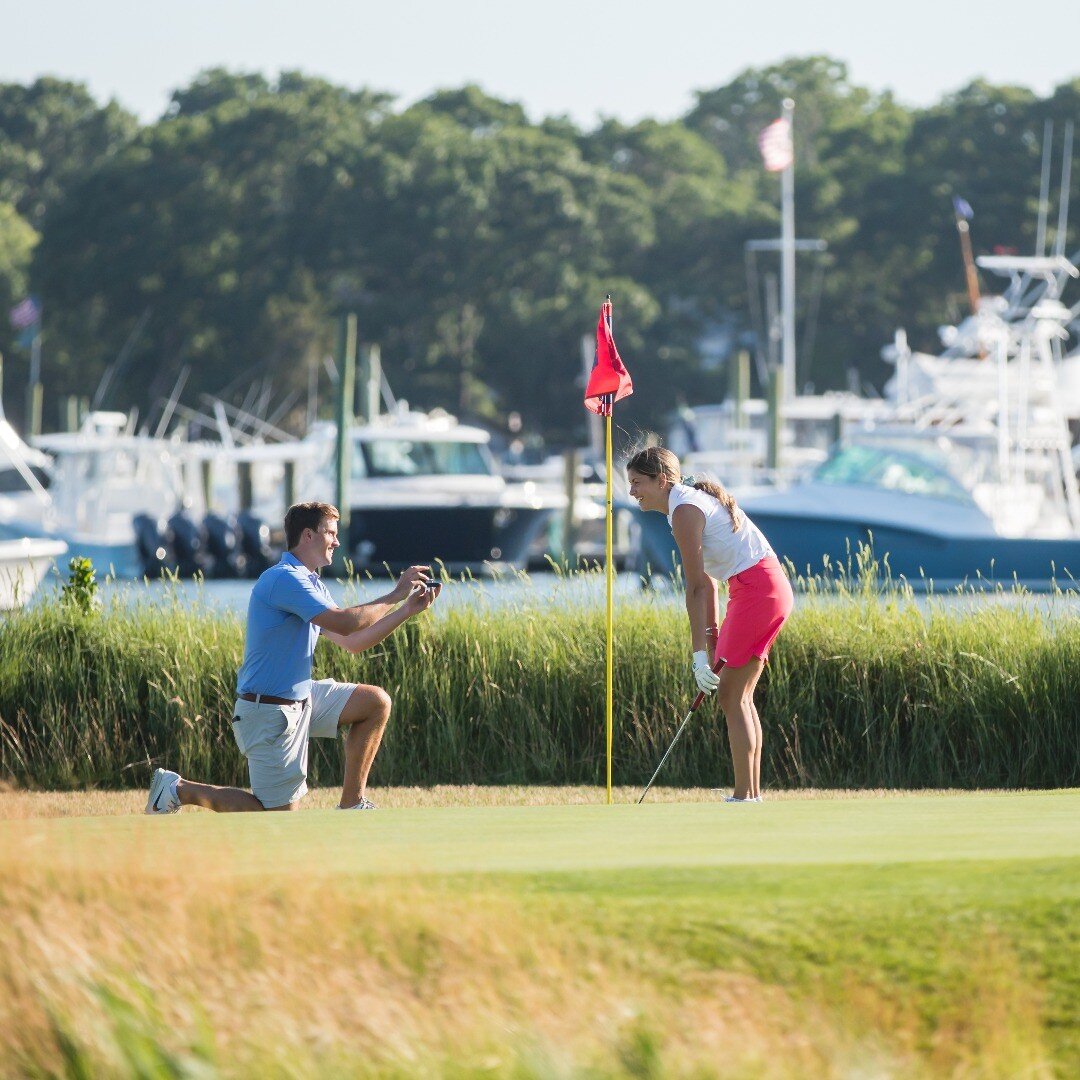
pixel 274 739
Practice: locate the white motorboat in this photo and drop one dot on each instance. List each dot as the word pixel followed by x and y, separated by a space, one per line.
pixel 972 475
pixel 421 488
pixel 589 518
pixel 101 478
pixel 23 565
pixel 424 488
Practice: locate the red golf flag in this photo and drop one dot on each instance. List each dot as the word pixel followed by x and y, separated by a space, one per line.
pixel 609 381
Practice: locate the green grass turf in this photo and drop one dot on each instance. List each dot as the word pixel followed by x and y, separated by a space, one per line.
pixel 927 903
pixel 873 832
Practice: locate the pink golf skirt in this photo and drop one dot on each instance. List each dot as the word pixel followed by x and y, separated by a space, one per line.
pixel 759 602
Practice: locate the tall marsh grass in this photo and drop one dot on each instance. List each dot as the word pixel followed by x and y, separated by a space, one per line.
pixel 865 689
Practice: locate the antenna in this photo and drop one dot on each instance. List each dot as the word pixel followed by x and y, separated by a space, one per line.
pixel 1066 179
pixel 170 405
pixel 121 362
pixel 1044 189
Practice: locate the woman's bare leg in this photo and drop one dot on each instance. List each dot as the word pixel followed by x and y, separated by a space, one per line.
pixel 744 731
pixel 755 783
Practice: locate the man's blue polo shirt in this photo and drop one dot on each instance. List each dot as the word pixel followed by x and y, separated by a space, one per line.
pixel 280 635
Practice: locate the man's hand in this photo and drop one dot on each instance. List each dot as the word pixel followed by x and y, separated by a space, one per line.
pixel 421 598
pixel 407 580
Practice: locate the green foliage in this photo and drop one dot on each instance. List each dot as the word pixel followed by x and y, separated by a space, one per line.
pixel 81 590
pixel 17 240
pixel 859 693
pixel 476 244
pixel 52 132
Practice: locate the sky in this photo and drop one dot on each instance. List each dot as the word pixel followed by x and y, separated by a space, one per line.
pixel 625 60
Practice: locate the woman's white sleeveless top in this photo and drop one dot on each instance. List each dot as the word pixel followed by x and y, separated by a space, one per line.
pixel 724 551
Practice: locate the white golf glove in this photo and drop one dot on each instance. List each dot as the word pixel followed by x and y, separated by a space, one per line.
pixel 707 679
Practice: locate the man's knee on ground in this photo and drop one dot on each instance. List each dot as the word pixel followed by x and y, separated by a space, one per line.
pixel 286 807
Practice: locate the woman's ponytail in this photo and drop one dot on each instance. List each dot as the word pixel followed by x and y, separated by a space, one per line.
pixel 724 497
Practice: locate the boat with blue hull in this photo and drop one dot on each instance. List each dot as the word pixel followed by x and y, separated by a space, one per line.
pixel 943 538
pixel 819 528
pixel 968 477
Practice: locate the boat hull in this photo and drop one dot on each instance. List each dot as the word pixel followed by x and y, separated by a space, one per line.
pixel 24 562
pixel 118 559
pixel 458 537
pixel 920 556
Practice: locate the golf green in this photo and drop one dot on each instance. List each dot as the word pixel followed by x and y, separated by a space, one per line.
pixel 554 839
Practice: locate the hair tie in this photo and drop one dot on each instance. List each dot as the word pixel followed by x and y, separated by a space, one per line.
pixel 690 480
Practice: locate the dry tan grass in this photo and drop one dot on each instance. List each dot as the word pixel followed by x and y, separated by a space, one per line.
pixel 15 803
pixel 299 975
pixel 147 952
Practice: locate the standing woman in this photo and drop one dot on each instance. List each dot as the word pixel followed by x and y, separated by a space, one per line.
pixel 717 541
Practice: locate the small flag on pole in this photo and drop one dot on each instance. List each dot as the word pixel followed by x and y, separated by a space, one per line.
pixel 962 208
pixel 776 146
pixel 25 314
pixel 609 381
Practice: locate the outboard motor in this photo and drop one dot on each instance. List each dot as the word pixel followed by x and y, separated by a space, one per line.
pixel 152 544
pixel 254 543
pixel 226 560
pixel 188 544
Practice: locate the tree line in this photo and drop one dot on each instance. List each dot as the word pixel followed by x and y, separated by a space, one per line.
pixel 475 244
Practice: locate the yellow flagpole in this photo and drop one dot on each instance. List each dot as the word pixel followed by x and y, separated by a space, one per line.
pixel 609 567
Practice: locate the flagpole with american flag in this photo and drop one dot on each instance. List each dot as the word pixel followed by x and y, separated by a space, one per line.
pixel 26 317
pixel 609 382
pixel 778 151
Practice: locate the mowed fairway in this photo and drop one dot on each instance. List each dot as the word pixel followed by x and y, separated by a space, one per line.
pixel 914 935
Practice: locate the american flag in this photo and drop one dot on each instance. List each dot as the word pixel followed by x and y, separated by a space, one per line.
pixel 25 314
pixel 776 147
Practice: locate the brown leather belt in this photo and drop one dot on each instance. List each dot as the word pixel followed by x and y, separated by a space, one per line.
pixel 269 699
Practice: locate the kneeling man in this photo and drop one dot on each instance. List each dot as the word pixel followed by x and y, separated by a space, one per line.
pixel 278 706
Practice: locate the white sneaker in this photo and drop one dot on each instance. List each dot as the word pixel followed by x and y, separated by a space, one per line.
pixel 363 804
pixel 163 798
pixel 731 798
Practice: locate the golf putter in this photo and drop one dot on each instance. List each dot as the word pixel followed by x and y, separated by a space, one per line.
pixel 711 635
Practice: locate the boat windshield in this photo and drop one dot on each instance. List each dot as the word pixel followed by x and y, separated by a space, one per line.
pixel 11 480
pixel 411 457
pixel 893 470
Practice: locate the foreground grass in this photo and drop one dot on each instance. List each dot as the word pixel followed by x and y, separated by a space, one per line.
pixel 894 936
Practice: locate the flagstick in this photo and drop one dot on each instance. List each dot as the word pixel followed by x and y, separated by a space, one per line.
pixel 609 572
pixel 602 403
